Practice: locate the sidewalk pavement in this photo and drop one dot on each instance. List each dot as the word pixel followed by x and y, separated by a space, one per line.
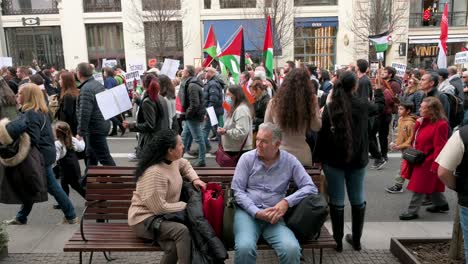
pixel 44 244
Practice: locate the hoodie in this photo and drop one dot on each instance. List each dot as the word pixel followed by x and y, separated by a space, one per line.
pixel 405 131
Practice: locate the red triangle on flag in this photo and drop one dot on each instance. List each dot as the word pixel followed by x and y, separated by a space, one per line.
pixel 210 40
pixel 235 47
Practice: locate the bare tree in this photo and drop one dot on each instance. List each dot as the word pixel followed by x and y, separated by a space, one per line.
pixel 160 20
pixel 376 16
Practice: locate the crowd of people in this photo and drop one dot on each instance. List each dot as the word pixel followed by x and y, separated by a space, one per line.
pixel 307 116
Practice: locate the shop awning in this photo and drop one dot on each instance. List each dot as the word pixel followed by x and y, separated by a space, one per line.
pixel 435 39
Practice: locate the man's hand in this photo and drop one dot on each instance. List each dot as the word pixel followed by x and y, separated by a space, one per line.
pixel 278 211
pixel 264 214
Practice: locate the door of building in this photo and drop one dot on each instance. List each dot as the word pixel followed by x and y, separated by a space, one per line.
pixel 43 44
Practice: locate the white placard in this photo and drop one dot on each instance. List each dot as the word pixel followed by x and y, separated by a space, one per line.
pixel 6 62
pixel 461 57
pixel 170 68
pixel 136 66
pixel 98 77
pixel 113 101
pixel 380 55
pixel 130 76
pixel 211 113
pixel 109 63
pixel 400 69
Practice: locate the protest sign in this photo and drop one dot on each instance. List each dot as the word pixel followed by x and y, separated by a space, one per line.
pixel 461 57
pixel 6 62
pixel 380 56
pixel 98 77
pixel 136 66
pixel 108 63
pixel 130 76
pixel 400 69
pixel 113 101
pixel 213 118
pixel 170 68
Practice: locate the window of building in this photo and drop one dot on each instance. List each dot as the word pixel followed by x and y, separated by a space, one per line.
pixel 44 44
pixel 164 40
pixel 154 5
pixel 105 41
pixel 314 2
pixel 423 55
pixel 428 13
pixel 102 6
pixel 314 42
pixel 28 7
pixel 238 3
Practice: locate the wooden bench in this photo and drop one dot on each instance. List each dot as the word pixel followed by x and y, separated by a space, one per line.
pixel 108 197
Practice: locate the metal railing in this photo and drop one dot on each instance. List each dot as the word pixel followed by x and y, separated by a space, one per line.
pixel 91 6
pixel 315 2
pixel 237 3
pixel 17 7
pixel 454 19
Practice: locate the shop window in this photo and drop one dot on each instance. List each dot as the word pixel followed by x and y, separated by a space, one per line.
pixel 423 55
pixel 428 13
pixel 315 45
pixel 105 41
pixel 164 40
pixel 29 7
pixel 102 6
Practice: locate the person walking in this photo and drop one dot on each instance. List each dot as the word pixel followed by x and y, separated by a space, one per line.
pixel 342 150
pixel 67 103
pixel 413 95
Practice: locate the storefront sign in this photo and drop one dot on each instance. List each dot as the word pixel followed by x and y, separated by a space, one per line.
pixel 461 57
pixel 426 51
pixel 400 69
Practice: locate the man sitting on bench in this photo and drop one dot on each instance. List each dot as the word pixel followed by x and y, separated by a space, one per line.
pixel 260 182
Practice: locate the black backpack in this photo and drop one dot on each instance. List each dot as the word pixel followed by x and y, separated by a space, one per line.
pixel 456 110
pixel 306 218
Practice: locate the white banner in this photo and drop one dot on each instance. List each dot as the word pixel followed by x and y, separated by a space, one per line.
pixel 113 101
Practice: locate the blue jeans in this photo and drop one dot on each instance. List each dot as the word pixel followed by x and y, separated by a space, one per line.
pixel 338 179
pixel 464 226
pixel 194 128
pixel 247 231
pixel 57 192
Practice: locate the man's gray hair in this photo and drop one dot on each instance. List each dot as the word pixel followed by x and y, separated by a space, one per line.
pixel 275 130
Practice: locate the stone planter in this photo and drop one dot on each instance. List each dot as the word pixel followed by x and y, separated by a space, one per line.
pixel 398 247
pixel 3 252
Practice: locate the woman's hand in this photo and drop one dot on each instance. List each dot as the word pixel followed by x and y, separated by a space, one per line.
pixel 221 131
pixel 199 184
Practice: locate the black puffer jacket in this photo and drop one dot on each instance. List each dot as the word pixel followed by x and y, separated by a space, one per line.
pixel 260 107
pixel 213 95
pixel 206 246
pixel 193 100
pixel 90 119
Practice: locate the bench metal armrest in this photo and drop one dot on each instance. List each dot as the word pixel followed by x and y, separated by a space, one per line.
pixel 83 217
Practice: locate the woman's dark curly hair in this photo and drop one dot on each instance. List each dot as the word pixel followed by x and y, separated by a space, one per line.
pixel 295 102
pixel 341 113
pixel 154 152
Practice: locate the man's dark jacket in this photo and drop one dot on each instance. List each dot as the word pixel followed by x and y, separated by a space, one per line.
pixel 213 96
pixel 193 100
pixel 90 119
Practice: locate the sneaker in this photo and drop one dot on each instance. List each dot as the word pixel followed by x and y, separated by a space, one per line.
pixel 397 188
pixel 378 164
pixel 57 207
pixel 438 208
pixel 12 222
pixel 408 216
pixel 132 157
pixel 193 153
pixel 213 138
pixel 198 163
pixel 73 221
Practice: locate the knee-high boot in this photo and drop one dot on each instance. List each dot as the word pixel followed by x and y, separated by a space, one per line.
pixel 337 219
pixel 358 212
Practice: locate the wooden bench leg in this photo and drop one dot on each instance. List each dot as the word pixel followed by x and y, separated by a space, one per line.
pixel 81 257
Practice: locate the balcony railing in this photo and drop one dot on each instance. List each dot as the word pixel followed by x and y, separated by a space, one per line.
pixel 238 3
pixel 90 6
pixel 315 2
pixel 454 19
pixel 21 7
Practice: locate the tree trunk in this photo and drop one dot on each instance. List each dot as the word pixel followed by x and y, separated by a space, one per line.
pixel 456 245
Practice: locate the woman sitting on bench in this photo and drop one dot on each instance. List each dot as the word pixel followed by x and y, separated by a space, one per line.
pixel 159 184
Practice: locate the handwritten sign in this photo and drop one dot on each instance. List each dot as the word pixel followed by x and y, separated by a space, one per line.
pixel 109 63
pixel 170 68
pixel 212 114
pixel 98 77
pixel 130 76
pixel 6 62
pixel 400 69
pixel 136 66
pixel 113 101
pixel 461 57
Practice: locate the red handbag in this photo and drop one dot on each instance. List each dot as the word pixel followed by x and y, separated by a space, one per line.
pixel 213 207
pixel 225 160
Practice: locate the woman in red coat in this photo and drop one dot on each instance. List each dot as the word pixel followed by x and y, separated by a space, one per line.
pixel 431 135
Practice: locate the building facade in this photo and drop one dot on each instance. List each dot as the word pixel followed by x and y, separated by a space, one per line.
pixel 64 33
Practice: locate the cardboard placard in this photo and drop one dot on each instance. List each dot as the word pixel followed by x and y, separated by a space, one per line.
pixel 113 101
pixel 461 57
pixel 400 69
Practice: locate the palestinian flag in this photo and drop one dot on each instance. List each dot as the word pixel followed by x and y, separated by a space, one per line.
pixel 210 47
pixel 233 56
pixel 221 64
pixel 248 59
pixel 380 41
pixel 268 50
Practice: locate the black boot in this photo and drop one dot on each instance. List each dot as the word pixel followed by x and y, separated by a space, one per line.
pixel 337 219
pixel 358 212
